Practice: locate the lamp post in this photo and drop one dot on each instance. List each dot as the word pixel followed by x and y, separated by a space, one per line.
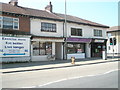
pixel 65 44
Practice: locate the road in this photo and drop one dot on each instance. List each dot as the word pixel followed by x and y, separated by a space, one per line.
pixel 106 80
pixel 32 79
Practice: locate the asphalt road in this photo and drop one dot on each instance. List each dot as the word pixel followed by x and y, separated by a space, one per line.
pixel 106 80
pixel 33 79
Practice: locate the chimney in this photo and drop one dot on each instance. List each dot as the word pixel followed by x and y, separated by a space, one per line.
pixel 49 7
pixel 14 2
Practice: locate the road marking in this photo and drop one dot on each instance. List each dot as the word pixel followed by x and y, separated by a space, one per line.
pixel 70 79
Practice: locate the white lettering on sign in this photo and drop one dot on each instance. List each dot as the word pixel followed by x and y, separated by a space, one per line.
pixel 14 46
pixel 102 41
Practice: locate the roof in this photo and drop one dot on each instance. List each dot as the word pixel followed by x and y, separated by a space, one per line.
pixel 47 15
pixel 71 18
pixel 28 11
pixel 114 28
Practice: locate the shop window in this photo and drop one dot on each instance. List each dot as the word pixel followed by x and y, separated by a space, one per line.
pixel 9 23
pixel 48 27
pixel 40 48
pixel 98 33
pixel 76 32
pixel 75 48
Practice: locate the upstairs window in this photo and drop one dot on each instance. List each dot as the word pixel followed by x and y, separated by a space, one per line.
pixel 15 23
pixel 97 33
pixel 9 23
pixel 48 27
pixel 76 32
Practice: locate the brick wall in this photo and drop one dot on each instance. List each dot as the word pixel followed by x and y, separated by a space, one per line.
pixel 24 22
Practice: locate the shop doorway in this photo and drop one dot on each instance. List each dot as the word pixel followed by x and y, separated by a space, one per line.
pixel 96 50
pixel 58 51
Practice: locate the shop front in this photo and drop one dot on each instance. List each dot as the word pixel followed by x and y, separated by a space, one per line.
pixel 97 46
pixel 44 48
pixel 76 47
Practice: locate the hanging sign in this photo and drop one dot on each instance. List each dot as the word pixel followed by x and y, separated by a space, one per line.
pixel 99 41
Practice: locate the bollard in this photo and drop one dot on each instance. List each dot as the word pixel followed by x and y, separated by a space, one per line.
pixel 72 60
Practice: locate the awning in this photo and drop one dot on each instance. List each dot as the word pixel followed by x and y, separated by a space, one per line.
pixel 82 40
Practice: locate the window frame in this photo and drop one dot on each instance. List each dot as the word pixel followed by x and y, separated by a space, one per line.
pixel 74 48
pixel 98 33
pixel 76 32
pixel 13 22
pixel 48 27
pixel 42 46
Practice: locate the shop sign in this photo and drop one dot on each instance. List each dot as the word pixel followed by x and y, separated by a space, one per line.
pixel 84 40
pixel 14 46
pixel 99 41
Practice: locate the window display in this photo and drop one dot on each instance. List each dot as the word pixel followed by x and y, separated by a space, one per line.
pixel 42 48
pixel 75 48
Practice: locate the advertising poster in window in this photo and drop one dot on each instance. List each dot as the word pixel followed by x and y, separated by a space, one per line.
pixel 14 46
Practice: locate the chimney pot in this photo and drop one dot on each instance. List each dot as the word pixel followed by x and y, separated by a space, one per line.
pixel 49 7
pixel 14 2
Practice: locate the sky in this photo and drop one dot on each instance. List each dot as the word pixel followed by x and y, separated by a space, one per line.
pixel 101 11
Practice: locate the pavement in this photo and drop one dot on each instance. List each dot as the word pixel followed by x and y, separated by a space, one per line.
pixel 32 66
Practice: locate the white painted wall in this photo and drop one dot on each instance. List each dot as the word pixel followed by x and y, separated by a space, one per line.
pixel 76 55
pixel 88 31
pixel 36 28
pixel 115 47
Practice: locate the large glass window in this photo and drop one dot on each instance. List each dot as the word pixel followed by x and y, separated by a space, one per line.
pixel 48 27
pixel 75 48
pixel 42 48
pixel 76 32
pixel 9 23
pixel 98 33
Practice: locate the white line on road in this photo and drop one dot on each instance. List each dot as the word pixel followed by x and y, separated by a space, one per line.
pixel 70 79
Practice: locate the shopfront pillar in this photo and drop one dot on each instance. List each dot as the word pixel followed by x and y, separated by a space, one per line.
pixel 88 50
pixel 53 48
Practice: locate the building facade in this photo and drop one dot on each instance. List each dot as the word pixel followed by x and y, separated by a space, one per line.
pixel 85 39
pixel 113 43
pixel 48 38
pixel 14 34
